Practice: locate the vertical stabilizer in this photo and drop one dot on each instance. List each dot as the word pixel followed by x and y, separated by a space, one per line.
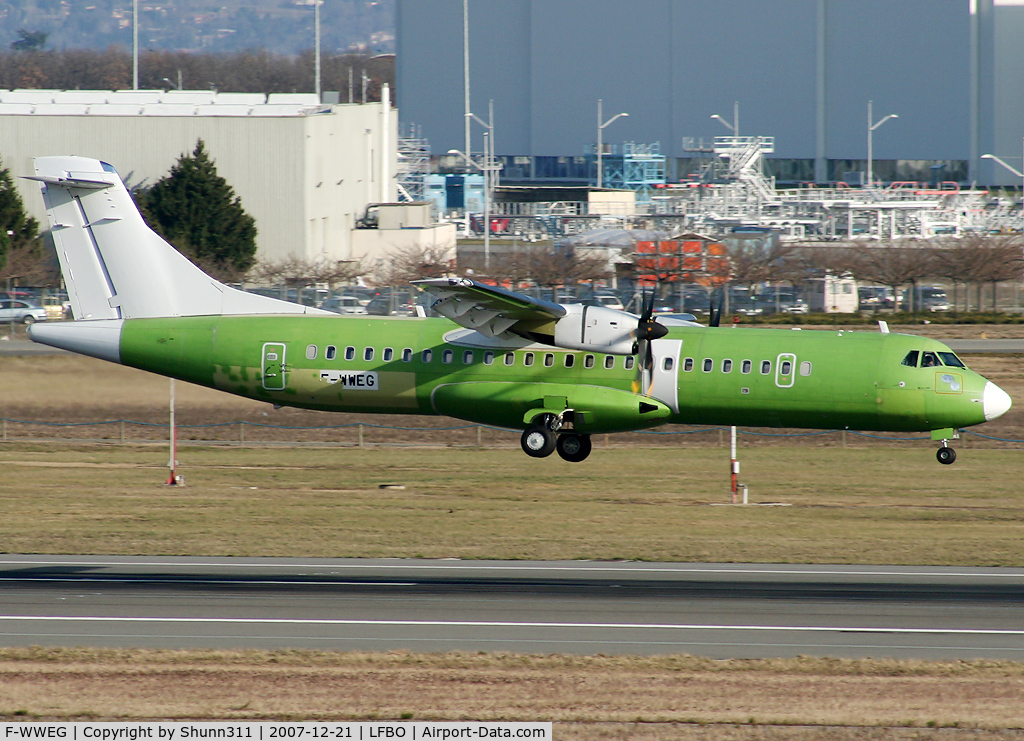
pixel 114 265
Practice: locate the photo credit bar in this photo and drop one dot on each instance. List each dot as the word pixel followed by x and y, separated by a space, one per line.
pixel 264 731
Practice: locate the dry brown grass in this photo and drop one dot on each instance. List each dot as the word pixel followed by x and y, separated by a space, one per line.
pixel 665 697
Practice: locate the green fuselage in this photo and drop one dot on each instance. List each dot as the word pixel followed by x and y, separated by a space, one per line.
pixel 748 377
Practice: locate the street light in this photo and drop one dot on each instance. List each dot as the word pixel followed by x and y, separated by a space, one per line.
pixel 1014 170
pixel 871 128
pixel 600 139
pixel 485 169
pixel 734 127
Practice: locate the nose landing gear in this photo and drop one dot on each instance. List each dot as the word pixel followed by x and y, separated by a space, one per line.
pixel 945 454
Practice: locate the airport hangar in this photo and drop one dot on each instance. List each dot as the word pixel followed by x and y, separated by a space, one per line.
pixel 802 71
pixel 305 171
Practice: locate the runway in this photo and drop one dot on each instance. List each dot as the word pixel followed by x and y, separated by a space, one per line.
pixel 714 610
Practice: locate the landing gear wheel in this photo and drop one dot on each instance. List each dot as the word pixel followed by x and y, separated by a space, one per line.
pixel 573 447
pixel 538 442
pixel 945 455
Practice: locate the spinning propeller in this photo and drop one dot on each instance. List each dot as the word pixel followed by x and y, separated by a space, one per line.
pixel 647 330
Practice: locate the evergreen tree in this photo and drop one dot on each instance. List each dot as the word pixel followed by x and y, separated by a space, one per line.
pixel 196 210
pixel 16 228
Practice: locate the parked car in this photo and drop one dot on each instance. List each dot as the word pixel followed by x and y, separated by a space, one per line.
pixel 926 298
pixel 344 305
pixel 788 302
pixel 16 310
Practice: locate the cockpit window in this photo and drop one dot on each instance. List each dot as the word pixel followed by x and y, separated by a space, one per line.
pixel 930 360
pixel 911 358
pixel 950 359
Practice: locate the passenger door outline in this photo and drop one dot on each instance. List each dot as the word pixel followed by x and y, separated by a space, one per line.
pixel 274 367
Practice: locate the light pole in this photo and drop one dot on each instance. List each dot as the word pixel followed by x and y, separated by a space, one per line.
pixel 316 46
pixel 485 170
pixel 871 129
pixel 1014 170
pixel 734 127
pixel 135 44
pixel 600 140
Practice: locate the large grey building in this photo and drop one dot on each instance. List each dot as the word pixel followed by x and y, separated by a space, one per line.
pixel 802 71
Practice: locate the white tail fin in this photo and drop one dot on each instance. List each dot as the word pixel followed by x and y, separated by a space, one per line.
pixel 114 265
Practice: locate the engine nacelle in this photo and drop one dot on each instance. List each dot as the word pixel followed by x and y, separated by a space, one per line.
pixel 596 329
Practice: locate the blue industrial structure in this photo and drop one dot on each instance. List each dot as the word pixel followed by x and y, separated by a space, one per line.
pixel 802 71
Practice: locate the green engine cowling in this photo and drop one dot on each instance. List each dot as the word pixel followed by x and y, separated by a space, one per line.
pixel 596 409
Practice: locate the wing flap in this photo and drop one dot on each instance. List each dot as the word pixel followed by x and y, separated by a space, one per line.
pixel 490 310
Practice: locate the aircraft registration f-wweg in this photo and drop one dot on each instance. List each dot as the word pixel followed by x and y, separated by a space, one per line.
pixel 559 372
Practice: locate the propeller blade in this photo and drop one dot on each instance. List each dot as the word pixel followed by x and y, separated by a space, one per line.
pixel 714 317
pixel 647 330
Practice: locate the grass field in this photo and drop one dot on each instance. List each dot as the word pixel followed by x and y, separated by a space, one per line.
pixel 642 498
pixel 873 505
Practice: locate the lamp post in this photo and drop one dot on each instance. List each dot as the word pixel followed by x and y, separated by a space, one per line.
pixel 600 140
pixel 734 127
pixel 316 46
pixel 1012 169
pixel 871 129
pixel 135 44
pixel 485 170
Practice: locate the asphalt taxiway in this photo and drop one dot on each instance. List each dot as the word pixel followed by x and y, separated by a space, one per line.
pixel 714 610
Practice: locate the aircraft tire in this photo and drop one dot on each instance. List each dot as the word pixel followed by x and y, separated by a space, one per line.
pixel 945 456
pixel 573 447
pixel 538 442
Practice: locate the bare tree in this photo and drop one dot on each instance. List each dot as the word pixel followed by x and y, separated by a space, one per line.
pixel 412 263
pixel 295 272
pixel 896 264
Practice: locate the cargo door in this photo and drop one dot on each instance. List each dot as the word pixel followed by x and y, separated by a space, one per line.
pixel 665 374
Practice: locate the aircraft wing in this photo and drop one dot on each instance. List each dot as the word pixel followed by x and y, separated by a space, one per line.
pixel 491 310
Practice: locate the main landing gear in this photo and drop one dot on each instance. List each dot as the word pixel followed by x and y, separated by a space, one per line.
pixel 543 437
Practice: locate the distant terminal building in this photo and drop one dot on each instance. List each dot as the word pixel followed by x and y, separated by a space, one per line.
pixel 801 71
pixel 306 171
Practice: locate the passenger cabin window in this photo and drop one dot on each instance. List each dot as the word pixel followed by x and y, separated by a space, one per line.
pixel 609 361
pixel 630 362
pixel 570 360
pixel 930 360
pixel 467 357
pixel 745 366
pixel 350 353
pixel 407 355
pixel 368 353
pixel 667 364
pixel 588 361
pixel 388 354
pixel 428 356
pixel 310 352
pixel 950 359
pixel 549 360
pixel 331 352
pixel 489 357
pixel 911 358
pixel 708 365
pixel 528 359
pixel 447 355
pixel 726 366
pixel 688 364
pixel 766 367
pixel 787 367
pixel 510 358
pixel 805 368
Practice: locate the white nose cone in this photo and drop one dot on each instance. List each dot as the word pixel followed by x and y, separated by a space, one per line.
pixel 995 401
